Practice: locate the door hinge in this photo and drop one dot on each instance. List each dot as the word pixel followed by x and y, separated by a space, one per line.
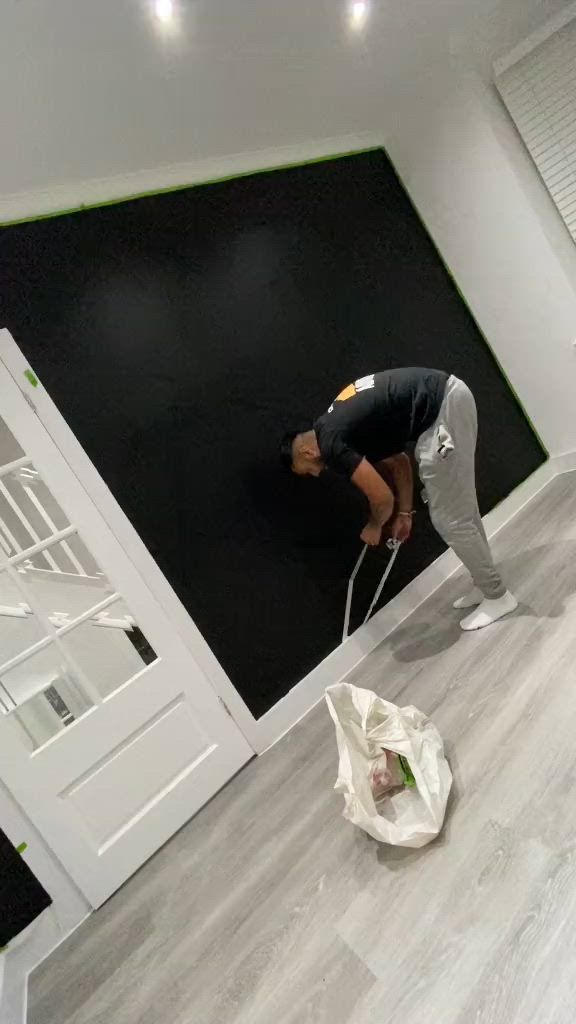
pixel 29 400
pixel 225 706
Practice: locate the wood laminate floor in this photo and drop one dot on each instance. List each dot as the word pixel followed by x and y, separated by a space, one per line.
pixel 269 908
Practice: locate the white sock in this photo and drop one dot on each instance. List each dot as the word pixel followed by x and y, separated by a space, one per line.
pixel 490 611
pixel 469 600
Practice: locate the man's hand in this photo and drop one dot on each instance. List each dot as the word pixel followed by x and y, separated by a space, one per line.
pixel 371 534
pixel 402 528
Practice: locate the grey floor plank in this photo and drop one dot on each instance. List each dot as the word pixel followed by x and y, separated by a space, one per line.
pixel 268 906
pixel 429 940
pixel 532 977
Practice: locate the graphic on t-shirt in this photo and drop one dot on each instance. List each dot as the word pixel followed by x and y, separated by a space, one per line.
pixel 362 384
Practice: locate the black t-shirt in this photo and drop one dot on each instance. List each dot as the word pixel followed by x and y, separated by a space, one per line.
pixel 378 416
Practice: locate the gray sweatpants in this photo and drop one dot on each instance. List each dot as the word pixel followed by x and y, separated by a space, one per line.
pixel 446 456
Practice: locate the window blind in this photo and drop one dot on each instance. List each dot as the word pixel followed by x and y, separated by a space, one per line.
pixel 540 93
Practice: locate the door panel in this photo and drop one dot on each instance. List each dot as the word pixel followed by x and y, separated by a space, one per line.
pixel 110 735
pixel 169 746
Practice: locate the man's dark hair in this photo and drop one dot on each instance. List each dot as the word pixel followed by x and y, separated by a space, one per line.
pixel 286 448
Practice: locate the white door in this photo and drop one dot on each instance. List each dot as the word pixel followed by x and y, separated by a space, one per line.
pixel 110 736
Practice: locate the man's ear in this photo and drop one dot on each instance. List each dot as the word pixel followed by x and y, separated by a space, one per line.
pixel 311 450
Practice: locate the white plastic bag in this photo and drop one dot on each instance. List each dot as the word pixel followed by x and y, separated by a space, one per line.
pixel 366 725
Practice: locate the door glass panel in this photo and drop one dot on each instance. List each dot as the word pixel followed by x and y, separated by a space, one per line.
pixel 19 627
pixel 49 712
pixel 64 581
pixel 110 648
pixel 10 450
pixel 28 511
pixel 46 693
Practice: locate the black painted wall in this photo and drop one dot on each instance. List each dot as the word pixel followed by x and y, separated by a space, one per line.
pixel 181 334
pixel 22 898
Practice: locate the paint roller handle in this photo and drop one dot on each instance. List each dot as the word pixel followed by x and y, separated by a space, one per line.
pixel 350 591
pixel 393 546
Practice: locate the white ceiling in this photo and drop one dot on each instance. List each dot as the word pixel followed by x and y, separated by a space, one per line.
pixel 105 88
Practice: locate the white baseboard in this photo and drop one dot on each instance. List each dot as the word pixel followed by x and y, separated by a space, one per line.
pixel 565 463
pixel 24 955
pixel 15 967
pixel 307 693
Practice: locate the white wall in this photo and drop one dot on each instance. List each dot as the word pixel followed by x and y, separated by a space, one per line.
pixel 494 224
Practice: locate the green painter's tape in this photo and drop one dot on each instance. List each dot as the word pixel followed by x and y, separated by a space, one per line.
pixel 194 184
pixel 31 378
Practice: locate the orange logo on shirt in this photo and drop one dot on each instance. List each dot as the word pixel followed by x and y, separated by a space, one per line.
pixel 348 392
pixel 362 384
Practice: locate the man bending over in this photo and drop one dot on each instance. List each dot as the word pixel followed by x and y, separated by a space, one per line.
pixel 370 425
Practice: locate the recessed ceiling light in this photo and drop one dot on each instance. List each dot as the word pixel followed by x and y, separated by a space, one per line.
pixel 164 10
pixel 358 13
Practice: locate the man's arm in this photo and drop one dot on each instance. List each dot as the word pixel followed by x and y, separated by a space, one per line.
pixel 401 470
pixel 380 497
